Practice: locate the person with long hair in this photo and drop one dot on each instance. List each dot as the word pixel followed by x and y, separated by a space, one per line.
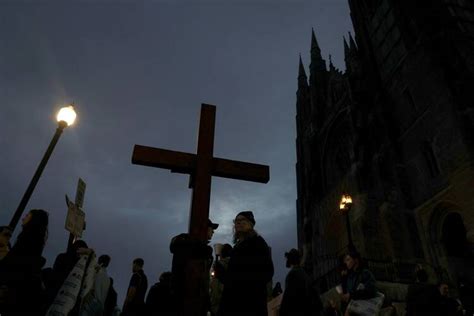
pixel 20 270
pixel 34 233
pixel 249 271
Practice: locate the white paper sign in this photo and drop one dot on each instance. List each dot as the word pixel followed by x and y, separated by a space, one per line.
pixel 75 220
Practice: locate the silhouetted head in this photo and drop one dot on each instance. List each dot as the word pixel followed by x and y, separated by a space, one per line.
pixel 352 260
pixel 104 261
pixel 248 215
pixel 293 258
pixel 244 224
pixel 138 264
pixel 211 227
pixel 443 288
pixel 165 277
pixel 34 233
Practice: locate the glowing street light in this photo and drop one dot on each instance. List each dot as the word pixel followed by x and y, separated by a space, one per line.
pixel 346 202
pixel 345 206
pixel 65 117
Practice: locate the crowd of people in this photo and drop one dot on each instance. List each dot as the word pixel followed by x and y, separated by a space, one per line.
pixel 78 283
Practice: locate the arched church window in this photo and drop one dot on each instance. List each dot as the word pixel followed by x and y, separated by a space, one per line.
pixel 454 235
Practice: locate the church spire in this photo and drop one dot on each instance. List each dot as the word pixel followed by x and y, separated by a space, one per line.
pixel 302 79
pixel 352 43
pixel 346 49
pixel 303 102
pixel 351 55
pixel 331 66
pixel 314 43
pixel 301 71
pixel 318 64
pixel 315 50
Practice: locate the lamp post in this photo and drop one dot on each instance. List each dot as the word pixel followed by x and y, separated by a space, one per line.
pixel 345 206
pixel 65 117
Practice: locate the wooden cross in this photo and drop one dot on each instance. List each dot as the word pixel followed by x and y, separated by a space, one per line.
pixel 201 167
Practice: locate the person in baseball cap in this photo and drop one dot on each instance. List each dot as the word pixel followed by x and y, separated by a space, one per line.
pixel 211 227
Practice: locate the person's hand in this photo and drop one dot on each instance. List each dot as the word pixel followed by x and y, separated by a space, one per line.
pixel 84 251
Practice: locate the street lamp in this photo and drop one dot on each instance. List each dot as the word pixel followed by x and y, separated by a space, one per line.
pixel 345 206
pixel 66 117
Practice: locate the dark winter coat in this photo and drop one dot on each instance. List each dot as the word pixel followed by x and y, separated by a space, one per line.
pixel 297 298
pixel 21 288
pixel 245 285
pixel 159 301
pixel 355 279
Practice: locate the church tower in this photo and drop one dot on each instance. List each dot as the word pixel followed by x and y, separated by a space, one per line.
pixel 395 132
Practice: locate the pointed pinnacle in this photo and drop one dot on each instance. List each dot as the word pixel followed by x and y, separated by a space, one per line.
pixel 301 71
pixel 331 66
pixel 314 42
pixel 352 42
pixel 346 47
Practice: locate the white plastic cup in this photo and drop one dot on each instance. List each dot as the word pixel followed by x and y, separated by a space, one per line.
pixel 218 249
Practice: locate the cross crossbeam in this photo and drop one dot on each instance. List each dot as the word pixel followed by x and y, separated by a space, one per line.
pixel 181 162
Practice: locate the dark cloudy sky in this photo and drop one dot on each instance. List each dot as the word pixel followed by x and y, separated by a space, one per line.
pixel 138 72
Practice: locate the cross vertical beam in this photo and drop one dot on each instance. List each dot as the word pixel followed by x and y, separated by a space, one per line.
pixel 201 182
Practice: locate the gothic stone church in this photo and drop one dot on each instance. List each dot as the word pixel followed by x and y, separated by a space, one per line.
pixel 396 132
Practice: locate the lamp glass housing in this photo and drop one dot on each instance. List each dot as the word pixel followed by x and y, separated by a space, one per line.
pixel 346 202
pixel 67 114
